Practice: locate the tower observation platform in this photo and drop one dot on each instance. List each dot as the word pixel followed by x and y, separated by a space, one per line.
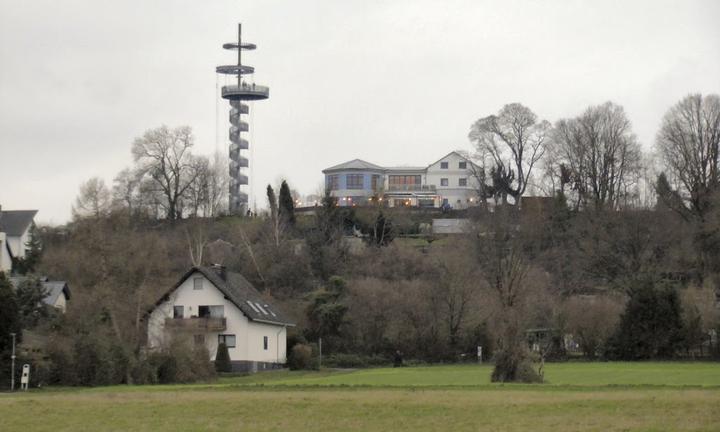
pixel 245 90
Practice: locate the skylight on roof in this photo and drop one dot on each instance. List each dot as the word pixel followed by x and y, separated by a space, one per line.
pixel 261 308
pixel 252 306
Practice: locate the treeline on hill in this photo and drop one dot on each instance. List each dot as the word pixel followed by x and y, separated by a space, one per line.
pixel 594 270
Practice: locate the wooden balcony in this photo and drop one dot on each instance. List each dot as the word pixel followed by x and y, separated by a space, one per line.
pixel 196 324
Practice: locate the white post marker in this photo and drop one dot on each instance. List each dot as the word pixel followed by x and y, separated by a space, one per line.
pixel 479 354
pixel 25 378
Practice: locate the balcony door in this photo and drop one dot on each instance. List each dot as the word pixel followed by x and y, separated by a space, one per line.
pixel 211 311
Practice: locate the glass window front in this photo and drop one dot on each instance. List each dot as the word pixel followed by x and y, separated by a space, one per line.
pixel 354 181
pixel 332 182
pixel 395 180
pixel 178 312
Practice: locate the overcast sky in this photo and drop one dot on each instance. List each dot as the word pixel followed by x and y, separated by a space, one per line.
pixel 391 82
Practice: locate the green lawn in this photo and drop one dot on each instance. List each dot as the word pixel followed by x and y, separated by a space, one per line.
pixel 580 396
pixel 556 374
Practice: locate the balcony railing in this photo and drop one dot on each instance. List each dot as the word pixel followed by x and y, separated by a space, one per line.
pixel 245 92
pixel 411 188
pixel 196 324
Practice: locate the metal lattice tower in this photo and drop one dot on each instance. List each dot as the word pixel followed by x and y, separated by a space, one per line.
pixel 236 94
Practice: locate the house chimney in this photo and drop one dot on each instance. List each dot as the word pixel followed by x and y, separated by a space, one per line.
pixel 220 270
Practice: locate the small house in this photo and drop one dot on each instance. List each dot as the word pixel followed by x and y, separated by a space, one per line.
pixel 211 305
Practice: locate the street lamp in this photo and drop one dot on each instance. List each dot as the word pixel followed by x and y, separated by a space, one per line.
pixel 12 367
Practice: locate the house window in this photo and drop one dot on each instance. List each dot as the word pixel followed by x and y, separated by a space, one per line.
pixel 265 343
pixel 178 312
pixel 462 165
pixel 443 182
pixel 462 182
pixel 332 182
pixel 443 165
pixel 199 339
pixel 375 182
pixel 227 339
pixel 354 181
pixel 198 283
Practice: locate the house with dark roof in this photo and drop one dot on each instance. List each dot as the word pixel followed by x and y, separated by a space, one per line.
pixel 15 233
pixel 210 305
pixel 58 292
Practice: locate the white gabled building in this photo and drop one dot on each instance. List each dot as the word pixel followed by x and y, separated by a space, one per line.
pixel 212 305
pixel 15 228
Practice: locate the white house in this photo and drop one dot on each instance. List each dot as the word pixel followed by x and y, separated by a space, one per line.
pixel 450 181
pixel 15 228
pixel 212 305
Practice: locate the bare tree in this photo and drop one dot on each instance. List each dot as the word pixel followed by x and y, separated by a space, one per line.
pixel 125 190
pixel 93 199
pixel 163 156
pixel 598 154
pixel 689 141
pixel 511 143
pixel 504 263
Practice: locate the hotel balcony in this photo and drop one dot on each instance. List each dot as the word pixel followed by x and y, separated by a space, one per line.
pixel 196 324
pixel 245 92
pixel 411 188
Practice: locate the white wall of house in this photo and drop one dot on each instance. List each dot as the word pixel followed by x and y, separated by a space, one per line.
pixel 5 260
pixel 61 303
pixel 457 196
pixel 18 244
pixel 249 335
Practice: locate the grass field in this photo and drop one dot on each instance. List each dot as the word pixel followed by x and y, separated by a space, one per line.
pixel 579 396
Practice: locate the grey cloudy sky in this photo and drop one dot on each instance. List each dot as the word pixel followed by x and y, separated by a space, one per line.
pixel 392 82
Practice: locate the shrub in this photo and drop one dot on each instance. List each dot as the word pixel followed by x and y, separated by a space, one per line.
pixel 222 359
pixel 301 357
pixel 508 368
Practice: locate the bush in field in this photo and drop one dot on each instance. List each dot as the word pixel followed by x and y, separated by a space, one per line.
pixel 222 359
pixel 301 357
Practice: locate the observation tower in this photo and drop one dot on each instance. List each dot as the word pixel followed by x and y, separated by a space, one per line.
pixel 237 94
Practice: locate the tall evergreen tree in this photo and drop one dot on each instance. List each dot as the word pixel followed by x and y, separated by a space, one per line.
pixel 651 326
pixel 32 256
pixel 9 316
pixel 286 205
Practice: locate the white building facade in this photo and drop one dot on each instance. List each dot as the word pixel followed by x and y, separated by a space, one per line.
pixel 15 233
pixel 449 182
pixel 210 305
